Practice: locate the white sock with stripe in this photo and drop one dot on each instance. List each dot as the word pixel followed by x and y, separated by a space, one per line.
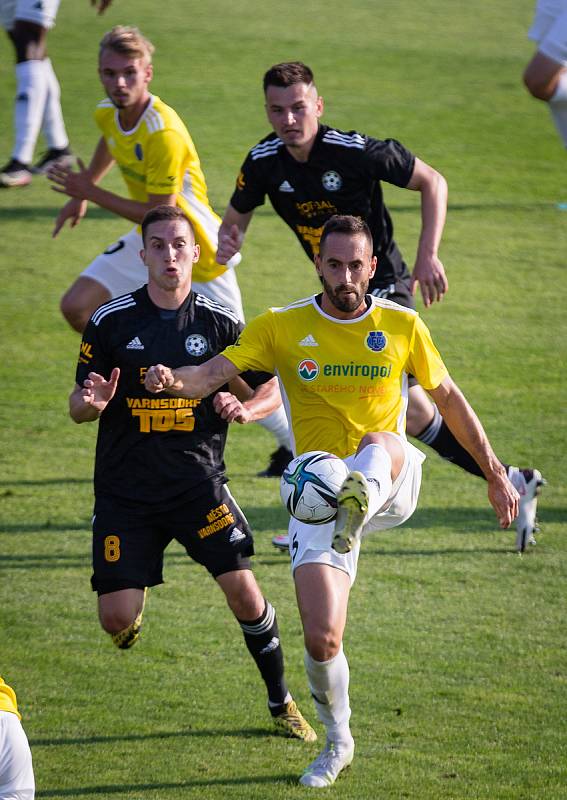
pixel 328 682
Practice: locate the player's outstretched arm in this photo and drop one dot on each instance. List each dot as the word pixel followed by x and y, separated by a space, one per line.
pixel 244 404
pixel 192 382
pixel 231 233
pixel 467 428
pixel 428 270
pixel 87 402
pixel 81 185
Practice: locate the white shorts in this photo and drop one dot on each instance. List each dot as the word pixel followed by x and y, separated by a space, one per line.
pixel 28 10
pixel 16 771
pixel 121 270
pixel 311 544
pixel 549 29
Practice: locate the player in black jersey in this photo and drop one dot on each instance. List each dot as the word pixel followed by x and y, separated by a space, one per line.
pixel 310 172
pixel 159 469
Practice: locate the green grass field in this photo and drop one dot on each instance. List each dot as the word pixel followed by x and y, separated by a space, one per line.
pixel 456 644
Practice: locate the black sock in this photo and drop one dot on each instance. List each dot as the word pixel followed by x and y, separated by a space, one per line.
pixel 263 641
pixel 438 436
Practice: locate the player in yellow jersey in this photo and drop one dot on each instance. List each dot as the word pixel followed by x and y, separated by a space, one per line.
pixel 343 358
pixel 159 163
pixel 16 770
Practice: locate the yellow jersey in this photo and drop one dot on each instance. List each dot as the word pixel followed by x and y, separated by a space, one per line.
pixel 158 156
pixel 340 378
pixel 8 700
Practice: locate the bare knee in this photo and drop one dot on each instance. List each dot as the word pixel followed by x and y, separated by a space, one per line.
pixel 322 644
pixel 118 610
pixel 81 300
pixel 536 87
pixel 76 316
pixel 243 595
pixel 541 76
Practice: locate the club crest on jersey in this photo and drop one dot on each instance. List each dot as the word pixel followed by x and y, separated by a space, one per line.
pixel 138 151
pixel 196 345
pixel 332 181
pixel 308 369
pixel 376 341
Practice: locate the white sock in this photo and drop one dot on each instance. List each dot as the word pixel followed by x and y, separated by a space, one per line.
pixel 53 126
pixel 328 681
pixel 31 94
pixel 277 424
pixel 376 465
pixel 558 107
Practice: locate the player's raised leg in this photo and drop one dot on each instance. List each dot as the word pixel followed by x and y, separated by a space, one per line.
pixel 377 463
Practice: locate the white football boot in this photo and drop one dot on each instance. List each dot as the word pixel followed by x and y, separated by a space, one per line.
pixel 352 507
pixel 528 483
pixel 323 772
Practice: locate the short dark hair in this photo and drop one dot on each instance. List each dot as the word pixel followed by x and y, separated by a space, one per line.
pixel 347 224
pixel 163 212
pixel 287 74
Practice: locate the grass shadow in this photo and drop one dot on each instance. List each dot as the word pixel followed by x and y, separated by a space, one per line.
pixel 119 789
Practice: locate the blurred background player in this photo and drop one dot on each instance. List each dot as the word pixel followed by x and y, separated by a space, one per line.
pixel 159 164
pixel 546 75
pixel 16 769
pixel 159 471
pixel 311 171
pixel 382 488
pixel 38 94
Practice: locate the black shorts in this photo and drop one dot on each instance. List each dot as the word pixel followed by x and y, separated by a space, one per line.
pixel 396 291
pixel 128 545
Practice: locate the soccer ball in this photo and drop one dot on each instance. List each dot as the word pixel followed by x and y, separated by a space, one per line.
pixel 309 486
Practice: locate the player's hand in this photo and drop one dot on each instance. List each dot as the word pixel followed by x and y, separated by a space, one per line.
pixel 74 210
pixel 229 408
pixel 504 499
pixel 229 244
pixel 158 378
pixel 66 181
pixel 100 5
pixel 429 273
pixel 97 391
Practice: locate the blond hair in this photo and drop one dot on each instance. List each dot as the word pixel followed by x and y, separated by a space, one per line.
pixel 128 41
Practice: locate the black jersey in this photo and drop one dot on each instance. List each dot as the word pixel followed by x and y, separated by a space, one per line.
pixel 341 176
pixel 155 449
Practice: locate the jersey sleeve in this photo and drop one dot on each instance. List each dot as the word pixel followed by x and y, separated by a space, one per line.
pixel 389 161
pixel 92 357
pixel 253 378
pixel 166 155
pixel 250 189
pixel 255 348
pixel 424 360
